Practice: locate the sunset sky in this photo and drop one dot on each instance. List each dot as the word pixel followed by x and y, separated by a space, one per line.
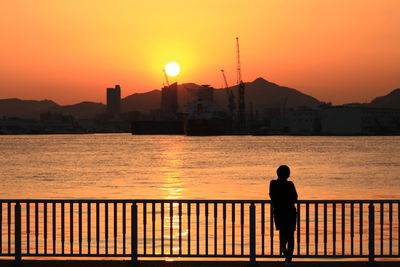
pixel 70 51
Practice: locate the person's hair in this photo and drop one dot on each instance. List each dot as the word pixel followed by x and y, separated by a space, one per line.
pixel 283 172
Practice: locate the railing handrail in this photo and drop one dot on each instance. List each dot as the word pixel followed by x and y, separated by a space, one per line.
pixel 249 201
pixel 354 219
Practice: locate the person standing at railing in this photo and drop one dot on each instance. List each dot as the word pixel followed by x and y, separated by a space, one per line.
pixel 283 196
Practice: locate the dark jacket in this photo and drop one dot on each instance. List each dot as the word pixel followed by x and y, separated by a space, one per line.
pixel 283 196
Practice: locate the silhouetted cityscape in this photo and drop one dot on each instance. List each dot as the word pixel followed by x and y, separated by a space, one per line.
pixel 202 110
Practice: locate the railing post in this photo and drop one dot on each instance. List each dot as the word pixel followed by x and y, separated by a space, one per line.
pixel 252 234
pixel 371 237
pixel 134 234
pixel 17 232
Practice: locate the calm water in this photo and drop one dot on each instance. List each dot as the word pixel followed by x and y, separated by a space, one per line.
pixel 226 167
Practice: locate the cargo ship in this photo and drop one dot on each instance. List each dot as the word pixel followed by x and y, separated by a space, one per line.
pixel 203 119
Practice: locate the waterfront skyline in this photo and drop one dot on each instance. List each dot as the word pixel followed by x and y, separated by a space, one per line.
pixel 338 51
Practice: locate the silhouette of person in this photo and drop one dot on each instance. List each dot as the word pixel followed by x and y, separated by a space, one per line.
pixel 283 196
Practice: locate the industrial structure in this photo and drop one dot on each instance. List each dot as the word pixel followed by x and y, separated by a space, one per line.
pixel 169 101
pixel 230 96
pixel 241 90
pixel 206 93
pixel 114 100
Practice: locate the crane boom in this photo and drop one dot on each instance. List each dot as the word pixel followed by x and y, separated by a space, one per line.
pixel 230 96
pixel 241 90
pixel 166 77
pixel 238 68
pixel 226 82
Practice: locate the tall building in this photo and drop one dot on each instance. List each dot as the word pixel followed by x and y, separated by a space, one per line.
pixel 169 101
pixel 114 100
pixel 206 93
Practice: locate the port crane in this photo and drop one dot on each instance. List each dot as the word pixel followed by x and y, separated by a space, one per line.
pixel 241 89
pixel 230 96
pixel 166 77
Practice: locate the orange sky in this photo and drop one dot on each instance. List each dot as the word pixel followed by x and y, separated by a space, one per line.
pixel 70 51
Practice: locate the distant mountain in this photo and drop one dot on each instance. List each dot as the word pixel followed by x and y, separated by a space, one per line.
pixel 143 102
pixel 391 100
pixel 83 110
pixel 264 94
pixel 27 109
pixel 261 93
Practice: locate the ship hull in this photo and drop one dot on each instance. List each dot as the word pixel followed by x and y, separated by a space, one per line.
pixel 157 127
pixel 204 127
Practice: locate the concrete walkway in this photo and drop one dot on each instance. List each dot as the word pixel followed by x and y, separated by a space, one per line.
pixel 108 263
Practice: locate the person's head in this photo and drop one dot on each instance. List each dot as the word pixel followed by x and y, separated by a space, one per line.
pixel 283 172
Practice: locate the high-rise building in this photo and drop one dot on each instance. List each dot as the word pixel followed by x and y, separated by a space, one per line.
pixel 114 100
pixel 169 101
pixel 206 93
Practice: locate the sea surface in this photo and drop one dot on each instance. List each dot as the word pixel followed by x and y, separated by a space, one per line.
pixel 125 166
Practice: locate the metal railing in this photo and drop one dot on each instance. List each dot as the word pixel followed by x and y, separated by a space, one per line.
pixel 196 228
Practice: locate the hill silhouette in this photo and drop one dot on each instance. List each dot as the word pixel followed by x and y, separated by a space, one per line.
pixel 83 110
pixel 142 102
pixel 391 100
pixel 27 109
pixel 261 93
pixel 264 94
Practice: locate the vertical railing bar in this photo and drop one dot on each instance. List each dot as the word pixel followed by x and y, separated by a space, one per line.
pixel 325 229
pixel 361 227
pixel 62 228
pixel 134 234
pixel 242 228
pixel 271 227
pixel 263 228
pixel 188 226
pixel 9 228
pixel 171 226
pixel 124 228
pixel 80 226
pixel 115 227
pixel 343 228
pixel 382 221
pixel 197 228
pixel 307 229
pixel 316 228
pixel 206 228
pixel 224 226
pixel 54 222
pixel 28 228
pixel 106 226
pixel 89 228
pixel 37 227
pixel 71 227
pixel 180 227
pixel 98 228
pixel 233 228
pixel 45 227
pixel 298 228
pixel 17 232
pixel 144 228
pixel 398 228
pixel 334 228
pixel 215 228
pixel 162 228
pixel 252 238
pixel 153 227
pixel 1 227
pixel 352 227
pixel 371 237
pixel 390 228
